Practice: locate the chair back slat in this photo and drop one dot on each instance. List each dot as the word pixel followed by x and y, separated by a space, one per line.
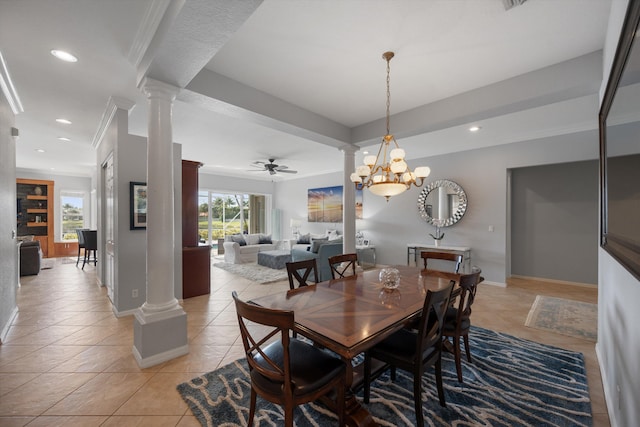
pixel 432 320
pixel 341 264
pixel 299 272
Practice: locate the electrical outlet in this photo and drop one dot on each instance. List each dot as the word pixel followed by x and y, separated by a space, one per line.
pixel 134 293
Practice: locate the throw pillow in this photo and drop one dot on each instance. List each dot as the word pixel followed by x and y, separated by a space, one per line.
pixel 265 239
pixel 252 239
pixel 333 234
pixel 304 239
pixel 239 239
pixel 315 244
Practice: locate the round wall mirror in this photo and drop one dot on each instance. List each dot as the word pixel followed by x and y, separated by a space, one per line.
pixel 442 203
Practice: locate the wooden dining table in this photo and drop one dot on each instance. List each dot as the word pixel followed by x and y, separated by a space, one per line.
pixel 352 314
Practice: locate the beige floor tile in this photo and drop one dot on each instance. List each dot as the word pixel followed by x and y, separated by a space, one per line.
pixel 89 335
pixel 217 335
pixel 143 421
pixel 43 359
pixel 82 421
pixel 94 359
pixel 46 336
pixel 9 382
pixel 15 421
pixel 39 394
pixel 158 396
pixel 201 358
pixel 102 395
pixel 9 353
pixel 188 421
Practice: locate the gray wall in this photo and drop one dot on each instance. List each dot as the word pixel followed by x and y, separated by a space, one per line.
pixel 618 343
pixel 8 262
pixel 482 173
pixel 554 222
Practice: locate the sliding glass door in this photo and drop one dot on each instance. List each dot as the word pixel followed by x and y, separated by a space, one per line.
pixel 224 214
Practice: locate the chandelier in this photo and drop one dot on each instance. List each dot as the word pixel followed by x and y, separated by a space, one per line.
pixel 387 174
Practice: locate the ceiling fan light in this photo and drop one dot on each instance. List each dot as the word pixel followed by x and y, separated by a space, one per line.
pixel 355 177
pixel 423 171
pixel 397 154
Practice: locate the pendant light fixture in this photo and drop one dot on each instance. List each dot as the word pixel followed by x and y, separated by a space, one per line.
pixel 387 174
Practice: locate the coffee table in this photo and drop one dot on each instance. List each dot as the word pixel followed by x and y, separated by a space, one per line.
pixel 274 259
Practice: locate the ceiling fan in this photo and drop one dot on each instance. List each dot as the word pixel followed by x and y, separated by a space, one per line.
pixel 271 167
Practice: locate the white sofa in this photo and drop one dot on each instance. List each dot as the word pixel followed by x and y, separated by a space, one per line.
pixel 235 253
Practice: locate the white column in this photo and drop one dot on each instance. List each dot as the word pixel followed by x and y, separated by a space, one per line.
pixel 160 329
pixel 349 202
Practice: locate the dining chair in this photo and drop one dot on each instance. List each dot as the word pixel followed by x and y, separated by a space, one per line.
pixel 80 243
pixel 300 272
pixel 286 371
pixel 414 350
pixel 90 238
pixel 458 318
pixel 445 256
pixel 340 264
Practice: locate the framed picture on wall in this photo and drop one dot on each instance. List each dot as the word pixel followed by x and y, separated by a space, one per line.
pixel 137 205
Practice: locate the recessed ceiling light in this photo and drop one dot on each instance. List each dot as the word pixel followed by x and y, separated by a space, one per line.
pixel 65 56
pixel 63 138
pixel 39 150
pixel 365 152
pixel 63 121
pixel 474 128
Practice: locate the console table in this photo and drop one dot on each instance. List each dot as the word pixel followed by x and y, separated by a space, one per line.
pixel 362 251
pixel 415 249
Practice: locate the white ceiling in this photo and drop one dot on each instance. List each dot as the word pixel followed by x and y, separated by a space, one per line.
pixel 321 58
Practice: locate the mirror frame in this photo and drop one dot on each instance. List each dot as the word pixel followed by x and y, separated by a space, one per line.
pixel 624 251
pixel 462 202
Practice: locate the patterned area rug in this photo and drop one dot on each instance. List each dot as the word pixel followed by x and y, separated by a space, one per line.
pixel 573 318
pixel 255 272
pixel 511 382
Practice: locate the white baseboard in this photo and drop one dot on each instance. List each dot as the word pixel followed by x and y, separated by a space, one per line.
pixel 555 281
pixel 5 330
pixel 608 399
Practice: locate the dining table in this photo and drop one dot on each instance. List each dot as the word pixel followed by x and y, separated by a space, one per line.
pixel 350 315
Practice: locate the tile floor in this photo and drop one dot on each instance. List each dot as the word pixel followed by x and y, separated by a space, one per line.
pixel 67 360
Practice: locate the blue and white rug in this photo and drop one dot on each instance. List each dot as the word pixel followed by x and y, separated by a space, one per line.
pixel 511 382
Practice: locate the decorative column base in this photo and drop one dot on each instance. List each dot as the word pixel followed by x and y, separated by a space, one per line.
pixel 159 336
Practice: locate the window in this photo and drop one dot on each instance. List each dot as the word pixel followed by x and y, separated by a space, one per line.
pixel 220 215
pixel 72 214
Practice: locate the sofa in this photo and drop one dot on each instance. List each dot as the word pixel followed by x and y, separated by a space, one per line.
pixel 324 251
pixel 30 258
pixel 244 248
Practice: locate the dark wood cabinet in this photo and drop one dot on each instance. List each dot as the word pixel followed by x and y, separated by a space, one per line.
pixel 196 260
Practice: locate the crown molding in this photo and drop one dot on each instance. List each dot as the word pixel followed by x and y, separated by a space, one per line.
pixel 8 89
pixel 113 104
pixel 147 30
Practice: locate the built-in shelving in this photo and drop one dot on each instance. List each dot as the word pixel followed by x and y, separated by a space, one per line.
pixel 35 212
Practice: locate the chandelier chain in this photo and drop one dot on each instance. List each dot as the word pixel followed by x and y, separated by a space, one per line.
pixel 388 94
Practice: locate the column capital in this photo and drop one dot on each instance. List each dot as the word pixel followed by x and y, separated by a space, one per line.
pixel 349 148
pixel 156 89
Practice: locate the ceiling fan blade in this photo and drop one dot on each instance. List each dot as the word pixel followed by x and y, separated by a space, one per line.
pixel 282 167
pixel 287 171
